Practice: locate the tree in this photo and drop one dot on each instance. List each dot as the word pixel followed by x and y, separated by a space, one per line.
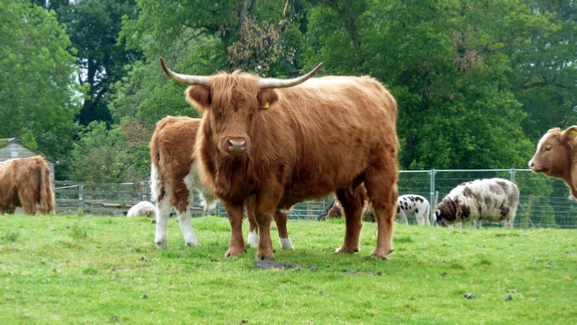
pixel 543 76
pixel 99 155
pixel 446 63
pixel 94 26
pixel 38 95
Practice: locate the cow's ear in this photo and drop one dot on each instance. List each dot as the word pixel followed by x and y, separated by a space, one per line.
pixel 266 98
pixel 569 134
pixel 198 96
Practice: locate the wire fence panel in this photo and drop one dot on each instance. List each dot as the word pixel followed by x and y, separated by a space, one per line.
pixel 544 201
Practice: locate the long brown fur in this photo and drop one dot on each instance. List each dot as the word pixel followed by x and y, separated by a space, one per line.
pixel 325 135
pixel 25 182
pixel 171 149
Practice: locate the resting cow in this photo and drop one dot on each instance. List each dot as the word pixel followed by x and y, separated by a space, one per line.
pixel 24 182
pixel 555 156
pixel 288 141
pixel 174 176
pixel 494 200
pixel 142 209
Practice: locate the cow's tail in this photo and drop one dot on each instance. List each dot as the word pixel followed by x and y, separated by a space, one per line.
pixel 46 193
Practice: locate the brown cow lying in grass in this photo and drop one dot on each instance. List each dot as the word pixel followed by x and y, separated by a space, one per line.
pixel 555 156
pixel 24 182
pixel 174 176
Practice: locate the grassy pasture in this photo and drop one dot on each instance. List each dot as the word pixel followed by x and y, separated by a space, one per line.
pixel 100 270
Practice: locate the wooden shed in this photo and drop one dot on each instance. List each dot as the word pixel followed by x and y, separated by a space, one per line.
pixel 13 148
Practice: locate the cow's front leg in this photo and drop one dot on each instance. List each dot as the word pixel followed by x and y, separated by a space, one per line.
pixel 234 211
pixel 267 200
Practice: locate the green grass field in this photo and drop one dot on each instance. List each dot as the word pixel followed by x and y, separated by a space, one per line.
pixel 99 270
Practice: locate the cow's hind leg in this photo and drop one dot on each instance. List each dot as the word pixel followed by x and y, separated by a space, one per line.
pixel 164 208
pixel 250 205
pixel 381 183
pixel 28 201
pixel 280 218
pixel 352 208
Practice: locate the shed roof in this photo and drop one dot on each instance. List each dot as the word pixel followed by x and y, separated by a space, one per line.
pixel 5 142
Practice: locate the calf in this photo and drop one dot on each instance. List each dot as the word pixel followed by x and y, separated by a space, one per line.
pixel 555 156
pixel 494 199
pixel 142 209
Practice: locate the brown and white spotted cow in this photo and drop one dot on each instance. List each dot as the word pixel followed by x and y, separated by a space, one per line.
pixel 494 200
pixel 174 176
pixel 556 156
pixel 25 182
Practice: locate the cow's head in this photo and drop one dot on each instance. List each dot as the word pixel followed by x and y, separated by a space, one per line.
pixel 446 213
pixel 231 102
pixel 552 156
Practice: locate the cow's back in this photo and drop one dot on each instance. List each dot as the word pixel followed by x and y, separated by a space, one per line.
pixel 332 124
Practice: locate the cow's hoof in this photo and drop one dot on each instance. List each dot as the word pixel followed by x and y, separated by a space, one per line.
pixel 379 255
pixel 193 244
pixel 347 250
pixel 286 244
pixel 264 258
pixel 234 252
pixel 161 245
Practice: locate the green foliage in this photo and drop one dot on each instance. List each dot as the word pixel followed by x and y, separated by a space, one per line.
pixel 117 275
pixel 477 83
pixel 94 26
pixel 99 155
pixel 39 97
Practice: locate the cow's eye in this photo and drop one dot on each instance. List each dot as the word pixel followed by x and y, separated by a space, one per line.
pixel 547 148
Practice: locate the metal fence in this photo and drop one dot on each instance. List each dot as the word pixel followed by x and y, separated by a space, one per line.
pixel 543 202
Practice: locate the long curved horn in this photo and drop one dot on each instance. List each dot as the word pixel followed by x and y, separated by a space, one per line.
pixel 283 83
pixel 184 78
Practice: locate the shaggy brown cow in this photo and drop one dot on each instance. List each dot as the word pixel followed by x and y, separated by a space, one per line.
pixel 287 141
pixel 555 156
pixel 173 177
pixel 24 182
